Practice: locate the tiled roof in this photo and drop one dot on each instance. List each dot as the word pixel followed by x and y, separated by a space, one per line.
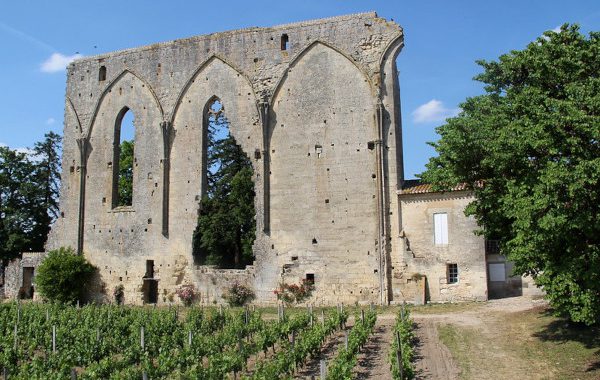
pixel 416 186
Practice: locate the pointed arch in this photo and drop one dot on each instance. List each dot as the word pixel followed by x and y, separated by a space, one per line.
pixel 107 90
pixel 303 52
pixel 71 106
pixel 195 74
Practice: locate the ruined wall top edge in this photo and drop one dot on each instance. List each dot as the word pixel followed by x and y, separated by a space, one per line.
pixel 254 53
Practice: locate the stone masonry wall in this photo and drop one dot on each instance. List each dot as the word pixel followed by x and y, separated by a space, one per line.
pixel 420 256
pixel 319 120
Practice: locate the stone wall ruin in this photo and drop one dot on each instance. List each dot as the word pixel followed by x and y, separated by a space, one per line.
pixel 314 104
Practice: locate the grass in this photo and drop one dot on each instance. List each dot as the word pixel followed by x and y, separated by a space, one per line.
pixel 531 344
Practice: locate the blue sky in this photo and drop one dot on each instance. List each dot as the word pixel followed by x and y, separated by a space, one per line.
pixel 442 41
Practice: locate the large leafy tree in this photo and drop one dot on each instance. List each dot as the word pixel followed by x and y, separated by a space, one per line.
pixel 226 224
pixel 28 196
pixel 530 150
pixel 46 181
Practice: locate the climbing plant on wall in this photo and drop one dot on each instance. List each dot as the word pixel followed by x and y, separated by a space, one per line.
pixel 226 224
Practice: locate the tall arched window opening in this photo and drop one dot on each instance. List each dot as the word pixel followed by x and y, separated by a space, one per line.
pixel 226 222
pixel 123 161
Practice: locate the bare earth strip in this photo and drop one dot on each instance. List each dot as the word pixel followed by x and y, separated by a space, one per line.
pixel 434 360
pixel 373 362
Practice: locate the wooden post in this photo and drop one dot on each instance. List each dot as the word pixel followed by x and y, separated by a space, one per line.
pixel 5 373
pixel 323 369
pixel 346 339
pixel 399 356
pixel 73 374
pixel 190 338
pixel 293 338
pixel 142 337
pixel 53 339
pixel 78 304
pixel 47 315
pixel 144 376
pixel 97 334
pixel 16 338
pixel 362 315
pixel 323 317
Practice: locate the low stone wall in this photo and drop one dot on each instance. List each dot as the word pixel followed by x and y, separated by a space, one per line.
pixel 13 273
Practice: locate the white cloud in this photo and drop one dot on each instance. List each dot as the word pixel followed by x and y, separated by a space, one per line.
pixel 27 151
pixel 50 121
pixel 433 111
pixel 58 62
pixel 557 29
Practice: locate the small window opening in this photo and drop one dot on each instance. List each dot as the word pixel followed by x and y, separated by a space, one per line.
pixel 285 42
pixel 452 273
pixel 371 145
pixel 102 74
pixel 310 278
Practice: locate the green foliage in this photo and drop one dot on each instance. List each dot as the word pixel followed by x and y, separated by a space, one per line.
pixel 290 356
pixel 104 341
pixel 238 294
pixel 226 224
pixel 64 276
pixel 404 328
pixel 126 173
pixel 530 150
pixel 28 196
pixel 345 361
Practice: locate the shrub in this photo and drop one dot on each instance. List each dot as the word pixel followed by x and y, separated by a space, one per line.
pixel 292 293
pixel 186 293
pixel 238 294
pixel 64 276
pixel 119 294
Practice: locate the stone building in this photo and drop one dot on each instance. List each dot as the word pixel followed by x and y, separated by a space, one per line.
pixel 315 105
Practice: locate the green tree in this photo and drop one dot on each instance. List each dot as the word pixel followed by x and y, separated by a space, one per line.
pixel 529 148
pixel 17 201
pixel 126 173
pixel 46 180
pixel 64 276
pixel 29 184
pixel 226 224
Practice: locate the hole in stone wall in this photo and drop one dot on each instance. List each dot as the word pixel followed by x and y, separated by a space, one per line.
pixel 285 42
pixel 371 145
pixel 314 241
pixel 310 278
pixel 123 159
pixel 227 188
pixel 102 74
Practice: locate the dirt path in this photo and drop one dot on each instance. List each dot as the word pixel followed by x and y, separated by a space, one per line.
pixel 434 360
pixel 373 362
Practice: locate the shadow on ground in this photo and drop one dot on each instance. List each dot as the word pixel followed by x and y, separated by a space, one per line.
pixel 563 330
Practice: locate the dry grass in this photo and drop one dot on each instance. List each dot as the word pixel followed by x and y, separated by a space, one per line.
pixel 530 344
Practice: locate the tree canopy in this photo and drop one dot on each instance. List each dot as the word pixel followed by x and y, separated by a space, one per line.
pixel 226 224
pixel 29 184
pixel 529 149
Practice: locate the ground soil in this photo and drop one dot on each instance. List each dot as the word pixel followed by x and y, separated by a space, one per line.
pixel 511 338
